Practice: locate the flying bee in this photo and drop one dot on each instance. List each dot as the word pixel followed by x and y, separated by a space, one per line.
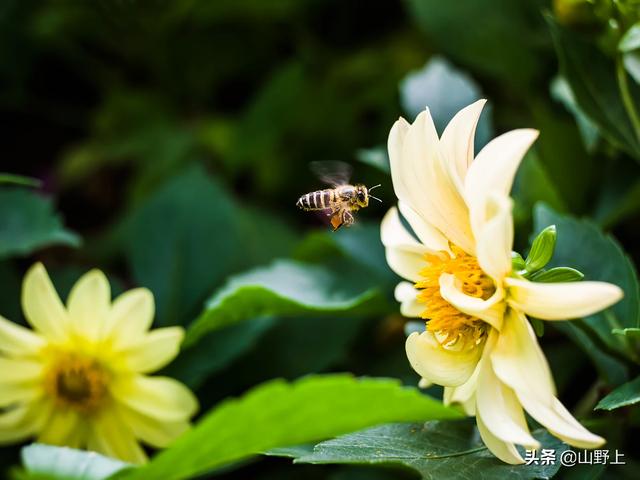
pixel 340 201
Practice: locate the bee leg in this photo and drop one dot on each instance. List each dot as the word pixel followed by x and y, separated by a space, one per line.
pixel 347 218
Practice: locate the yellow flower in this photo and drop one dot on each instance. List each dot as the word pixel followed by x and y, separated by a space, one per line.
pixel 79 379
pixel 478 342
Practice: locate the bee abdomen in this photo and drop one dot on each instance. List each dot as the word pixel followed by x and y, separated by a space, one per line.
pixel 318 200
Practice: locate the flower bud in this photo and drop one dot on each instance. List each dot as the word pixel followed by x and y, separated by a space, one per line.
pixel 541 250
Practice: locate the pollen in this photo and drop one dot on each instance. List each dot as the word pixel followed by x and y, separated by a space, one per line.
pixel 77 382
pixel 448 324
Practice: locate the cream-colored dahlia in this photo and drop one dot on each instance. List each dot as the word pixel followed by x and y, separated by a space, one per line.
pixel 478 342
pixel 80 378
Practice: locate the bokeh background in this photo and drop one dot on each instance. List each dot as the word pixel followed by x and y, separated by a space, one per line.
pixel 173 138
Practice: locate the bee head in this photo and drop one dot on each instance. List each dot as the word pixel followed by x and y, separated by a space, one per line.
pixel 362 195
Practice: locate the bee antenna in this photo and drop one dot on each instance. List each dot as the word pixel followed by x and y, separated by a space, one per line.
pixel 375 186
pixel 375 198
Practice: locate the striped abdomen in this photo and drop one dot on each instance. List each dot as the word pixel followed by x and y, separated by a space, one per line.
pixel 318 200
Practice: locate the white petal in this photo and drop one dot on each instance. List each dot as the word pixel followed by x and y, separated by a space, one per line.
pixel 88 304
pixel 405 255
pixel 42 306
pixel 493 170
pixel 457 140
pixel 429 235
pixel 440 365
pixel 407 295
pixel 395 146
pixel 495 238
pixel 500 410
pixel 506 452
pixel 490 310
pixel 464 394
pixel 560 301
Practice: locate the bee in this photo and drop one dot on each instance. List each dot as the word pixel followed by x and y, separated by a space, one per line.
pixel 342 200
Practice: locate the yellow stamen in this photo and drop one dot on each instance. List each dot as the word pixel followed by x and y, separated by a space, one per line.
pixel 78 382
pixel 443 319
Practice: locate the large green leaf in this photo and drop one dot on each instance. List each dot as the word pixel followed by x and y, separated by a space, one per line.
pixel 28 222
pixel 9 178
pixel 592 79
pixel 284 288
pixel 624 395
pixel 582 245
pixel 181 242
pixel 436 450
pixel 278 414
pixel 53 463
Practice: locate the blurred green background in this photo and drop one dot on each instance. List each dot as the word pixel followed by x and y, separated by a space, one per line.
pixel 173 139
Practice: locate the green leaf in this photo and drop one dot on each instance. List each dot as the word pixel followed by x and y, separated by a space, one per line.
pixel 541 249
pixel 284 288
pixel 538 326
pixel 28 222
pixel 436 450
pixel 375 157
pixel 445 90
pixel 627 394
pixel 631 62
pixel 582 245
pixel 181 243
pixel 67 463
pixel 592 79
pixel 517 262
pixel 631 39
pixel 627 332
pixel 19 180
pixel 279 414
pixel 558 274
pixel 561 91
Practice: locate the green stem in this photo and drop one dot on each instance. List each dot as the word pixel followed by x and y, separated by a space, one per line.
pixel 627 99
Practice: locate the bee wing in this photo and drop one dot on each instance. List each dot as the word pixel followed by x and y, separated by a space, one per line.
pixel 333 173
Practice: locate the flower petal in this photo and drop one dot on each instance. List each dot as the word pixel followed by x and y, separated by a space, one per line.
pixel 495 238
pixel 404 254
pixel 407 295
pixel 156 350
pixel 152 431
pixel 493 170
pixel 490 310
pixel 88 304
pixel 42 306
pixel 464 394
pixel 15 340
pixel 506 452
pixel 500 410
pixel 20 380
pixel 130 317
pixel 519 362
pixel 427 233
pixel 559 301
pixel 457 140
pixel 22 421
pixel 440 365
pixel 63 427
pixel 109 435
pixel 162 398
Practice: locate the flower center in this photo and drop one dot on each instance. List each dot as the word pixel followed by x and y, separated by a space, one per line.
pixel 78 382
pixel 448 323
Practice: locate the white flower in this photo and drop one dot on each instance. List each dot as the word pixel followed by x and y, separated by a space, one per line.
pixel 478 342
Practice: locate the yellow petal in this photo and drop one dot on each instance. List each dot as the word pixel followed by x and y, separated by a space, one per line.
pixel 20 380
pixel 407 295
pixel 404 254
pixel 440 365
pixel 88 304
pixel 500 410
pixel 457 140
pixel 490 310
pixel 560 301
pixel 62 428
pixel 493 170
pixel 16 340
pixel 109 435
pixel 22 421
pixel 130 317
pixel 42 306
pixel 156 350
pixel 495 238
pixel 434 184
pixel 429 235
pixel 162 398
pixel 151 431
pixel 505 451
